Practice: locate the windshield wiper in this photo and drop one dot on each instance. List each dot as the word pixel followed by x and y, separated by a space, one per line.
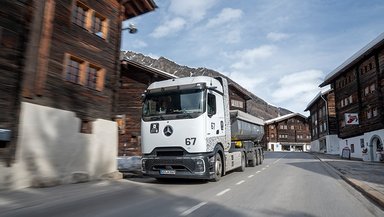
pixel 154 118
pixel 184 115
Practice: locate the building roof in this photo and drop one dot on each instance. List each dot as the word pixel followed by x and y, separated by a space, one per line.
pixel 377 42
pixel 126 61
pixel 284 117
pixel 317 97
pixel 134 8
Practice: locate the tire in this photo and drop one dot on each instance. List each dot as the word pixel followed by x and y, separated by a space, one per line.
pixel 218 167
pixel 253 161
pixel 242 168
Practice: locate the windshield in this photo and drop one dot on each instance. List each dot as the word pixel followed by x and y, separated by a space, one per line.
pixel 174 105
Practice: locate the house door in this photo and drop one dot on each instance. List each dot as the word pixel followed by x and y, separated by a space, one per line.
pixel 375 147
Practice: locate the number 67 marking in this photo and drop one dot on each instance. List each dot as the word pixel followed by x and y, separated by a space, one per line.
pixel 190 141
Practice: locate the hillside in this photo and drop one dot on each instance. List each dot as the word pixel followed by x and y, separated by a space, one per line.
pixel 256 106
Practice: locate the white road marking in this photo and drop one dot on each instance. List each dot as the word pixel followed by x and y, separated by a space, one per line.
pixel 267 166
pixel 241 182
pixel 258 172
pixel 250 176
pixel 264 168
pixel 189 211
pixel 279 159
pixel 223 192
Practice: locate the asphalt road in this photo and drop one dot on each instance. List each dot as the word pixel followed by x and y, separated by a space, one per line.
pixel 286 184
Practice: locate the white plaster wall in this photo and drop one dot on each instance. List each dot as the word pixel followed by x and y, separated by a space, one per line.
pixel 315 146
pixel 352 140
pixel 333 144
pixel 274 146
pixel 367 139
pixel 50 148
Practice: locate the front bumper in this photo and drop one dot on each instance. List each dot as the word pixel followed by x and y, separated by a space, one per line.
pixel 198 166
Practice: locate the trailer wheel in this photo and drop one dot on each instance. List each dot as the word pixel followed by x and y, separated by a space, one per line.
pixel 257 157
pixel 260 157
pixel 218 167
pixel 253 161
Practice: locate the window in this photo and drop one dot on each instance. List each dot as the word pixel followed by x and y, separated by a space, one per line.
pixel 237 103
pixel 73 70
pixel 272 135
pixel 80 15
pixel 90 20
pixel 292 127
pixel 211 104
pixel 81 72
pixel 92 77
pixel 86 126
pixel 352 148
pixel 272 127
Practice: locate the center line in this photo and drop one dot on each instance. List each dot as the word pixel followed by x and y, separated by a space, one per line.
pixel 189 211
pixel 241 182
pixel 223 192
pixel 264 168
pixel 250 176
pixel 258 171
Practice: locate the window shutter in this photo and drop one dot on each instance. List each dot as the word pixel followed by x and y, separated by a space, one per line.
pixel 100 80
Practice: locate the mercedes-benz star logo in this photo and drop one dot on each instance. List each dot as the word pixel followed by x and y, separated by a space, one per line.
pixel 168 130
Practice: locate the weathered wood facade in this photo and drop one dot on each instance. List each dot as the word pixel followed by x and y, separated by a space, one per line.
pixel 238 98
pixel 323 123
pixel 134 80
pixel 287 133
pixel 358 85
pixel 13 32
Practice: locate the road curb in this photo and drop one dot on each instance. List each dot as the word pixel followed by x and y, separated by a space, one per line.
pixel 366 190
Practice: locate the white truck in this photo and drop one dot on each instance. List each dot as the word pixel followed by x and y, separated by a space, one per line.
pixel 188 131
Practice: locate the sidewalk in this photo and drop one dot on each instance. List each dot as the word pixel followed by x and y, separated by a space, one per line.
pixel 367 177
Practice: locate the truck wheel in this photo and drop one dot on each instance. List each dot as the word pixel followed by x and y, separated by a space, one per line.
pixel 253 161
pixel 242 168
pixel 218 168
pixel 257 157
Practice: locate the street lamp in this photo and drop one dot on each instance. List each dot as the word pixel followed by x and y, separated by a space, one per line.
pixel 131 27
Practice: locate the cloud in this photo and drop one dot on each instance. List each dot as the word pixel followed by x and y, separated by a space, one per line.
pixel 225 16
pixel 247 57
pixel 169 27
pixel 194 10
pixel 277 36
pixel 298 87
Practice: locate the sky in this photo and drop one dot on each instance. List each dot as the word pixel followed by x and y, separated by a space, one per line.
pixel 280 50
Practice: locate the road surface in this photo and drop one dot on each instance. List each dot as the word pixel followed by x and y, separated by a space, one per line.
pixel 286 184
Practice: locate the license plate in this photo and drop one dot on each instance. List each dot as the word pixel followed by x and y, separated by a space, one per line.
pixel 167 172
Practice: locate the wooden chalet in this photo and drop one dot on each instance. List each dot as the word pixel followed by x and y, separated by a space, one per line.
pixel 323 123
pixel 358 84
pixel 60 64
pixel 287 133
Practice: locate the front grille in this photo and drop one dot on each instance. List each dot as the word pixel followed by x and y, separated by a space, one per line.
pixel 175 164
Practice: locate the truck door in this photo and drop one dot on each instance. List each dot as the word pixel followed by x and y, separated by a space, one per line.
pixel 215 111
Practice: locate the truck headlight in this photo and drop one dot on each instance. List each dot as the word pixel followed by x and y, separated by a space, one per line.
pixel 143 165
